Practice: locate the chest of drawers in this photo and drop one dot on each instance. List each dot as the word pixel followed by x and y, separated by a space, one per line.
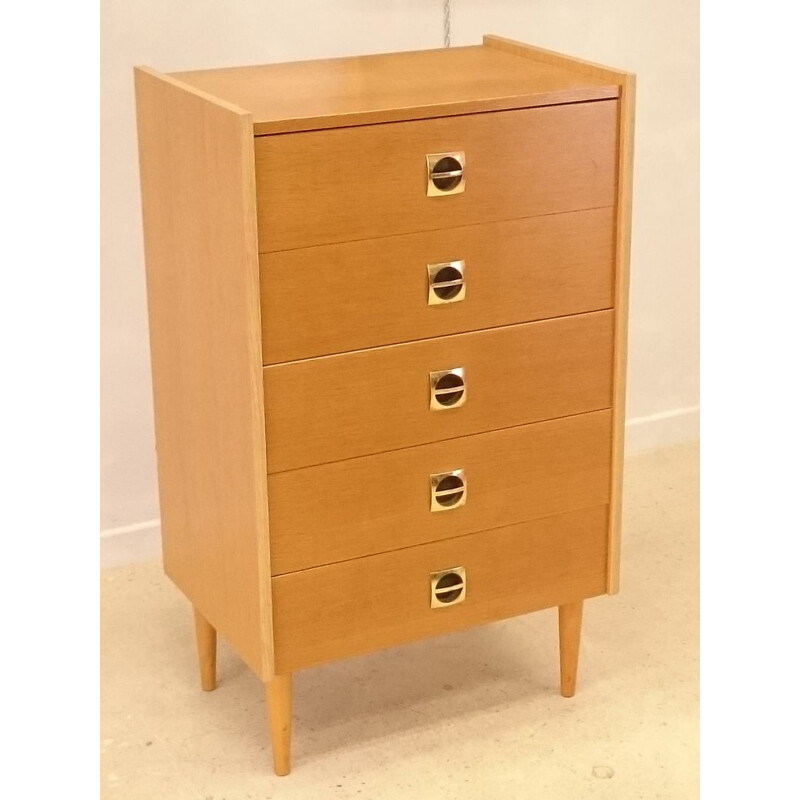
pixel 388 308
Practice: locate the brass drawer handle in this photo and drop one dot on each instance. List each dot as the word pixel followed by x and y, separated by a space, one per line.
pixel 448 490
pixel 445 173
pixel 446 283
pixel 448 389
pixel 448 587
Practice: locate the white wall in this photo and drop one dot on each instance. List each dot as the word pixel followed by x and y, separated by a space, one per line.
pixel 658 39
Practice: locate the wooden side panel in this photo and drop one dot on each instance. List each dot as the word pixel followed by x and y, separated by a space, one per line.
pixel 625 123
pixel 337 407
pixel 334 298
pixel 368 505
pixel 358 183
pixel 541 55
pixel 370 603
pixel 198 200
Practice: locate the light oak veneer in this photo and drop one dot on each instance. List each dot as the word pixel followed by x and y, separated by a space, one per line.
pixel 368 603
pixel 358 183
pixel 388 87
pixel 626 81
pixel 339 407
pixel 323 300
pixel 198 204
pixel 288 230
pixel 368 505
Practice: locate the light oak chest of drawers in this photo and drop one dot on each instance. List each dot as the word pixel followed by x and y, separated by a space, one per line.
pixel 388 310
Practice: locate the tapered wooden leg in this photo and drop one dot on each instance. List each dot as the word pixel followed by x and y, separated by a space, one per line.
pixel 279 702
pixel 569 637
pixel 206 651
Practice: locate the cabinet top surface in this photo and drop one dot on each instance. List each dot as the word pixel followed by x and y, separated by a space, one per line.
pixel 360 90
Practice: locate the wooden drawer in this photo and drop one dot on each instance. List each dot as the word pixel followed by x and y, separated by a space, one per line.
pixel 370 603
pixel 330 299
pixel 337 407
pixel 320 515
pixel 367 181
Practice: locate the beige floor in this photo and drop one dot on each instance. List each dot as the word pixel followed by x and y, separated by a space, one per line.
pixel 474 715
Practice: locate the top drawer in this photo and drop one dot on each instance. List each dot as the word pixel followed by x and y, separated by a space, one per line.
pixel 372 180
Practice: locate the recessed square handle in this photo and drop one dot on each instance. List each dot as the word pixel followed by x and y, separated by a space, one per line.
pixel 446 283
pixel 445 173
pixel 448 388
pixel 448 587
pixel 448 490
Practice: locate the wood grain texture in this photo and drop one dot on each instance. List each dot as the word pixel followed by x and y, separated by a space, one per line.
pixel 370 603
pixel 198 198
pixel 338 407
pixel 279 708
pixel 570 617
pixel 626 82
pixel 358 183
pixel 334 298
pixel 369 505
pixel 388 87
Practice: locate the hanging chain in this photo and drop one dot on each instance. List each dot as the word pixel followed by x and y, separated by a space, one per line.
pixel 447 23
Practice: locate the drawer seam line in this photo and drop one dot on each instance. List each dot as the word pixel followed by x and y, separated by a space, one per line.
pixel 441 336
pixel 447 539
pixel 425 117
pixel 439 441
pixel 435 230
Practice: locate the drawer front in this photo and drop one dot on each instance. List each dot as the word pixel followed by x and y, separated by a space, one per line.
pixel 331 299
pixel 370 603
pixel 338 407
pixel 321 515
pixel 372 180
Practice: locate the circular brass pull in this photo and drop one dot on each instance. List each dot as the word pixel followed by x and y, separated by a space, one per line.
pixel 448 587
pixel 448 490
pixel 445 173
pixel 446 283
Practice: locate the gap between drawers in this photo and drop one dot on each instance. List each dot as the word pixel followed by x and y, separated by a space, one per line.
pixel 437 541
pixel 431 338
pixel 437 441
pixel 434 230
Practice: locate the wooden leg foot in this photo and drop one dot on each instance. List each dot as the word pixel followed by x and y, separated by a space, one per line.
pixel 206 651
pixel 569 637
pixel 279 702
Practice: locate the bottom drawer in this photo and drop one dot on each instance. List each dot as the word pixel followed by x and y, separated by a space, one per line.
pixel 353 607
